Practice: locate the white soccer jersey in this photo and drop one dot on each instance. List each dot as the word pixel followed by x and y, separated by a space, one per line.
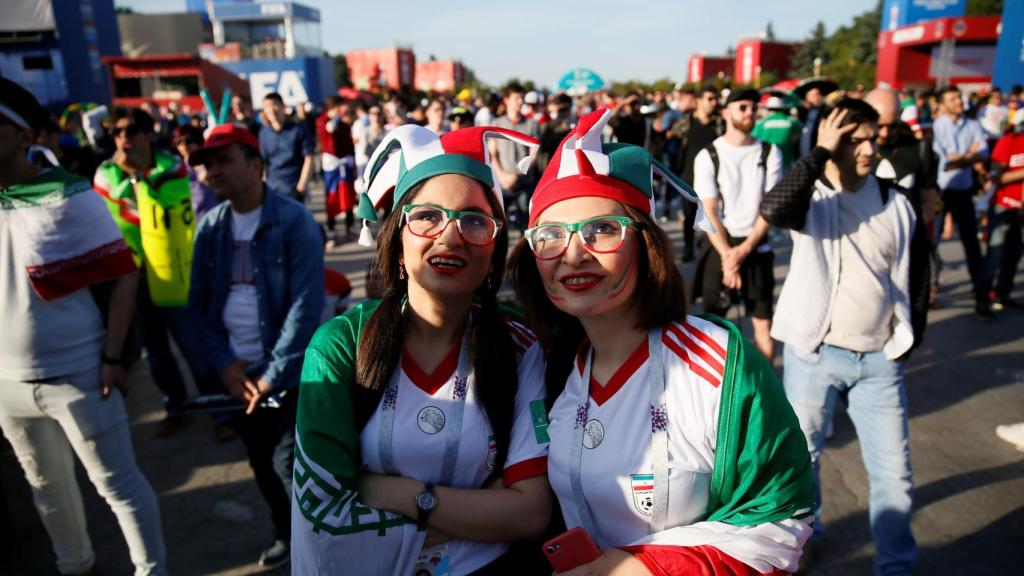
pixel 422 410
pixel 617 464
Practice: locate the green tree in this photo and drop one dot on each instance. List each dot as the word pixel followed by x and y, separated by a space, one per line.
pixel 853 50
pixel 984 7
pixel 769 32
pixel 341 74
pixel 816 46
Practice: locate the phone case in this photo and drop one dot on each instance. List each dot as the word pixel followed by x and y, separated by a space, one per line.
pixel 571 549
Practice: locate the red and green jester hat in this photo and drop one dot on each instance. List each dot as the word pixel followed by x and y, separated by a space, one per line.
pixel 410 154
pixel 584 166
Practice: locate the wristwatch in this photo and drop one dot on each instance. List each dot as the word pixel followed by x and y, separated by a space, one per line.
pixel 426 501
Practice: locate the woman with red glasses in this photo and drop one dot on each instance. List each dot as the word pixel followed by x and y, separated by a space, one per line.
pixel 411 406
pixel 672 444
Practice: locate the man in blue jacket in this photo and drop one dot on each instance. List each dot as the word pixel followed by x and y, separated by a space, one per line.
pixel 256 297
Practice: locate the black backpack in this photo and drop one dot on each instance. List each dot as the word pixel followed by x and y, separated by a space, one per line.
pixel 766 150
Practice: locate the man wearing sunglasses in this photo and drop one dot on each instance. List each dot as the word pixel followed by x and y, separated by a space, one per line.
pixel 149 196
pixel 693 132
pixel 730 177
pixel 256 298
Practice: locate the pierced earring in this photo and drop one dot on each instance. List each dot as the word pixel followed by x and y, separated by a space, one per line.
pixel 490 284
pixel 401 271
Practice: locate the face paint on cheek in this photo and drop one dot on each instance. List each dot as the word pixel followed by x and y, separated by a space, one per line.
pixel 552 296
pixel 620 284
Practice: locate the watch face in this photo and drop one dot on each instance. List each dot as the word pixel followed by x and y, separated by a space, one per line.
pixel 426 500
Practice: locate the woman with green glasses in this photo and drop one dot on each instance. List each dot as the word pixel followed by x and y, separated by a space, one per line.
pixel 672 444
pixel 421 436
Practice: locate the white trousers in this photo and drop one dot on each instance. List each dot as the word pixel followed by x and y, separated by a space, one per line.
pixel 45 422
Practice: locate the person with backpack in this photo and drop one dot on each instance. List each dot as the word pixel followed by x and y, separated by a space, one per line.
pixel 845 314
pixel 730 177
pixel 421 437
pixel 693 132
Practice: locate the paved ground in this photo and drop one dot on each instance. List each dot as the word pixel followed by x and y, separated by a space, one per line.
pixel 967 378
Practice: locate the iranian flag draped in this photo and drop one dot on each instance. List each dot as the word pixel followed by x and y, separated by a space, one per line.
pixel 64 232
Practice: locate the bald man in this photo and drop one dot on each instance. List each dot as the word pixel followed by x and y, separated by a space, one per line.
pixel 909 166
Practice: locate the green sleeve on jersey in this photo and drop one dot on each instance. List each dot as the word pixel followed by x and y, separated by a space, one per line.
pixel 762 468
pixel 325 423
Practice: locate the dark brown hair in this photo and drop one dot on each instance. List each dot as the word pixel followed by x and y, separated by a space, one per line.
pixel 659 298
pixel 491 352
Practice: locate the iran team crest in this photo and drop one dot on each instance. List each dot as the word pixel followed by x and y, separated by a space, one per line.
pixel 430 420
pixel 642 486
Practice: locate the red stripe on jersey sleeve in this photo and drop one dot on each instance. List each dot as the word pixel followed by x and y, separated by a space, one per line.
pixel 695 560
pixel 714 363
pixel 711 342
pixel 694 367
pixel 525 470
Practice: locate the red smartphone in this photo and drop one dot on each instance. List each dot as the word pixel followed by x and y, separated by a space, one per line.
pixel 571 549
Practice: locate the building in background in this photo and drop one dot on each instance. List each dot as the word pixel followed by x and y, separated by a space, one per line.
pixel 148 34
pixel 757 56
pixel 703 68
pixel 899 13
pixel 1009 65
pixel 941 51
pixel 54 48
pixel 274 46
pixel 439 75
pixel 393 68
pixel 166 78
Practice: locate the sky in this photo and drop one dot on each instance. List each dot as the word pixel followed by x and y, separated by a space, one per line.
pixel 540 40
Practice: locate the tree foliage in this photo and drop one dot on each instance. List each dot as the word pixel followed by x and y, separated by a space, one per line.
pixel 853 50
pixel 814 47
pixel 769 32
pixel 985 7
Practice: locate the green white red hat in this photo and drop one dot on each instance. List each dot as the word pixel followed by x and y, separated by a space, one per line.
pixel 411 154
pixel 584 166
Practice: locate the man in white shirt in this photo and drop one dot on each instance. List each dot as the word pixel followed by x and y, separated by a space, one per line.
pixel 730 177
pixel 844 314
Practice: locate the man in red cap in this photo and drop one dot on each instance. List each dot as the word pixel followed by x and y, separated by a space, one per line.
pixel 256 297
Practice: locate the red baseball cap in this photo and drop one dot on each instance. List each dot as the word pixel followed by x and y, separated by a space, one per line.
pixel 221 136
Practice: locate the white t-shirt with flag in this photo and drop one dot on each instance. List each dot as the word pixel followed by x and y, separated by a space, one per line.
pixel 617 465
pixel 421 430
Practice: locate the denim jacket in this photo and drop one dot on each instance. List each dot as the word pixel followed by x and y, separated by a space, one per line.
pixel 288 265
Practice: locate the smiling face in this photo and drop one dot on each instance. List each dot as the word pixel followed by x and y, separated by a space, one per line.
pixel 447 266
pixel 582 283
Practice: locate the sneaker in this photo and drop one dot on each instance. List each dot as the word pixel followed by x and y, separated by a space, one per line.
pixel 983 310
pixel 278 554
pixel 172 424
pixel 1000 304
pixel 1012 433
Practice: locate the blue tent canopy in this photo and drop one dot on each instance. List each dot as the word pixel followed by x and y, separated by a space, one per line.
pixel 580 81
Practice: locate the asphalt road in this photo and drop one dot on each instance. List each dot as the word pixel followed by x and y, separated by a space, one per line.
pixel 967 378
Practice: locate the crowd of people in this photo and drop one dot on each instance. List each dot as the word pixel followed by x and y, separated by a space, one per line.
pixel 437 426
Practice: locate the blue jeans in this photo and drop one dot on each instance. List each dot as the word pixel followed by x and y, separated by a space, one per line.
pixel 877 403
pixel 1004 249
pixel 157 326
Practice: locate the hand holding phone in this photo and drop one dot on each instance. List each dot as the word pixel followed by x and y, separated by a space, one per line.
pixel 570 550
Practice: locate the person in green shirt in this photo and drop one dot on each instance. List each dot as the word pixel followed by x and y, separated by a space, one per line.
pixel 147 192
pixel 780 128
